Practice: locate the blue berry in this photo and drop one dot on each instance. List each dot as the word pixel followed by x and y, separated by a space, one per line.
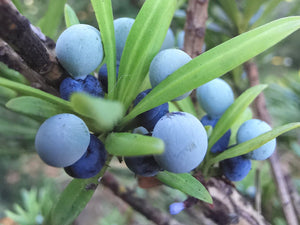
pixel 169 40
pixel 251 129
pixel 91 162
pixel 185 142
pixel 223 142
pixel 165 63
pixel 176 207
pixel 215 97
pixel 122 28
pixel 62 139
pixel 236 169
pixel 145 166
pixel 79 49
pixel 102 76
pixel 149 118
pixel 89 85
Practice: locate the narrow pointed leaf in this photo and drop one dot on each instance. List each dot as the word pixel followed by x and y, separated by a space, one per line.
pixel 105 113
pixel 6 94
pixel 50 22
pixel 216 62
pixel 70 16
pixel 234 112
pixel 104 15
pixel 129 144
pixel 34 107
pixel 72 201
pixel 254 143
pixel 143 43
pixel 186 183
pixel 11 74
pixel 251 8
pixel 27 90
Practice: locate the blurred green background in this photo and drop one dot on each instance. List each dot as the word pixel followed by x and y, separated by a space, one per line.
pixel 21 169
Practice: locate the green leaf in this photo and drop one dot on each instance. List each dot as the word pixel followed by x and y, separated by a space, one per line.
pixel 254 143
pixel 173 107
pixel 6 94
pixel 233 113
pixel 186 105
pixel 27 90
pixel 70 16
pixel 74 198
pixel 11 74
pixel 8 128
pixel 104 113
pixel 104 15
pixel 143 43
pixel 72 201
pixel 216 62
pixel 186 183
pixel 50 22
pixel 34 107
pixel 129 144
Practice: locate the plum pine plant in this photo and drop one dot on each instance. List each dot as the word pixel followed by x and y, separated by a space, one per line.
pixel 111 118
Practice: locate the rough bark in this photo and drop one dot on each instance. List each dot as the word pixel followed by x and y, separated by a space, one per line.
pixel 29 44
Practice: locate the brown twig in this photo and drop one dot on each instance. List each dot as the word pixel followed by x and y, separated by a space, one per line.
pixel 139 204
pixel 195 27
pixel 262 113
pixel 9 57
pixel 17 32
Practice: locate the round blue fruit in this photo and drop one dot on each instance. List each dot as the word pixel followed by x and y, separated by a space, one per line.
pixel 169 40
pixel 91 162
pixel 62 139
pixel 222 144
pixel 149 118
pixel 215 97
pixel 165 63
pixel 145 166
pixel 185 142
pixel 102 76
pixel 89 85
pixel 79 49
pixel 122 28
pixel 251 129
pixel 236 169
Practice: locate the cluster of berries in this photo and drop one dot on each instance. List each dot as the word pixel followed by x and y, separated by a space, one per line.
pixel 65 141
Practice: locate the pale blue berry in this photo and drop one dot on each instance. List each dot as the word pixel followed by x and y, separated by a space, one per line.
pixel 169 40
pixel 165 63
pixel 251 129
pixel 215 97
pixel 79 49
pixel 122 28
pixel 185 142
pixel 62 139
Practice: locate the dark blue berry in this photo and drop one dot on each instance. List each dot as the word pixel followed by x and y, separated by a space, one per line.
pixel 149 118
pixel 89 84
pixel 91 162
pixel 236 169
pixel 143 165
pixel 102 76
pixel 223 142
